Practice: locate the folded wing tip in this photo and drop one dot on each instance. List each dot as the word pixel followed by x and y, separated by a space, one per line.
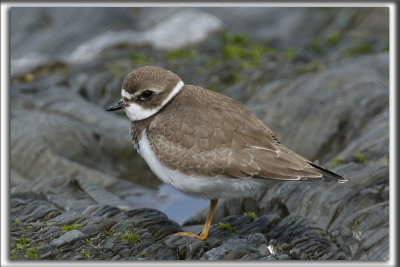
pixel 329 175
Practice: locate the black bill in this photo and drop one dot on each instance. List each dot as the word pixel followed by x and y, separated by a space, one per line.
pixel 121 104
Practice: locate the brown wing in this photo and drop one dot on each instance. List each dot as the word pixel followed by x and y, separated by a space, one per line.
pixel 223 139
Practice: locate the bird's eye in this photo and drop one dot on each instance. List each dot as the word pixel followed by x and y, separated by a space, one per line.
pixel 146 95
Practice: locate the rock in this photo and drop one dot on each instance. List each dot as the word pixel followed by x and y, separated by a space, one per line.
pixel 104 232
pixel 38 208
pixel 108 26
pixel 225 251
pixel 86 152
pixel 303 240
pixel 67 238
pixel 337 122
pixel 175 32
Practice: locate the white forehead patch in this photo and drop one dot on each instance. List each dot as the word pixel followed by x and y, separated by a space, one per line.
pixel 125 94
pixel 136 112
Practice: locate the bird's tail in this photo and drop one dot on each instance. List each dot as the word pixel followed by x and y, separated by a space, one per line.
pixel 328 175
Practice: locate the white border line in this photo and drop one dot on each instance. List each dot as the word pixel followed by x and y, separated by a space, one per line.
pixel 5 132
pixel 199 4
pixel 4 137
pixel 392 138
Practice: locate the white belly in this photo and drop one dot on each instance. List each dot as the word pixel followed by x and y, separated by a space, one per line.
pixel 200 186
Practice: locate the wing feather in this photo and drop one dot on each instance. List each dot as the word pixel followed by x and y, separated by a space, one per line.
pixel 223 139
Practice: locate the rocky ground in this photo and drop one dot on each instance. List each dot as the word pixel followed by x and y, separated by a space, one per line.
pixel 78 188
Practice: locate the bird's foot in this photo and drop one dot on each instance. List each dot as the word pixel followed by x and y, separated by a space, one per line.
pixel 201 237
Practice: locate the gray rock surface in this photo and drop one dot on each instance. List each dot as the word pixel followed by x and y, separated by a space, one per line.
pixel 318 78
pixel 174 32
pixel 67 238
pixel 343 105
pixel 81 228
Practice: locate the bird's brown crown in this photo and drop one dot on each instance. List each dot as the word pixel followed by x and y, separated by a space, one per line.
pixel 149 85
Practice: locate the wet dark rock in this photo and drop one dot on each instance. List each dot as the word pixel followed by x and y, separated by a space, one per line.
pixel 67 238
pixel 174 32
pixel 104 232
pixel 338 122
pixel 304 239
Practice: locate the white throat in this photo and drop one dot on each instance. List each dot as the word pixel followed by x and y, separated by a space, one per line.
pixel 136 112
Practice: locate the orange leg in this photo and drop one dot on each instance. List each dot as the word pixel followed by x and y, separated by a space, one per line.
pixel 204 234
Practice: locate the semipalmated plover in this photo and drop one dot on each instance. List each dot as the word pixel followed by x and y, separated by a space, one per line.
pixel 203 143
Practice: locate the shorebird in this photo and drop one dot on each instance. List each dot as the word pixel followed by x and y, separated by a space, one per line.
pixel 206 144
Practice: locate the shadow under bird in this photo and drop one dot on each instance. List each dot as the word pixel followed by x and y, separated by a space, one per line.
pixel 203 143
